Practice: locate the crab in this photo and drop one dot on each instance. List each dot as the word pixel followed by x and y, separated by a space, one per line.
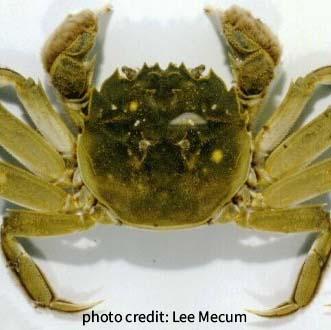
pixel 163 149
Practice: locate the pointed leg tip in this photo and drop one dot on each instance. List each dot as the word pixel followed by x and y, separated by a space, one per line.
pixel 254 311
pixel 281 310
pixel 69 307
pixel 261 313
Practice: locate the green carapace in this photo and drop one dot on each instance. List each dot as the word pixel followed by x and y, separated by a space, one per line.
pixel 165 147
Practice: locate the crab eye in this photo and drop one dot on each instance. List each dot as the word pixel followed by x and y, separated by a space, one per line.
pixel 188 119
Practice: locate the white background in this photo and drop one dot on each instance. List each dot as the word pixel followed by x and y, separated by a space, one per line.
pixel 223 269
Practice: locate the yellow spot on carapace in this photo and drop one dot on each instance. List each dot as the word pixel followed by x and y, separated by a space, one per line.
pixel 217 156
pixel 133 106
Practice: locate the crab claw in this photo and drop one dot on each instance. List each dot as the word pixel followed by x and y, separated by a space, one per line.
pixel 69 307
pixel 286 308
pixel 254 51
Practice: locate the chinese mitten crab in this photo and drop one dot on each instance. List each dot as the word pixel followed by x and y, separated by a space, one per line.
pixel 163 149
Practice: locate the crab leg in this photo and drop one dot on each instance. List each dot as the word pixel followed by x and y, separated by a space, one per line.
pixel 29 147
pixel 283 119
pixel 300 148
pixel 44 116
pixel 25 189
pixel 308 183
pixel 30 224
pixel 309 218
